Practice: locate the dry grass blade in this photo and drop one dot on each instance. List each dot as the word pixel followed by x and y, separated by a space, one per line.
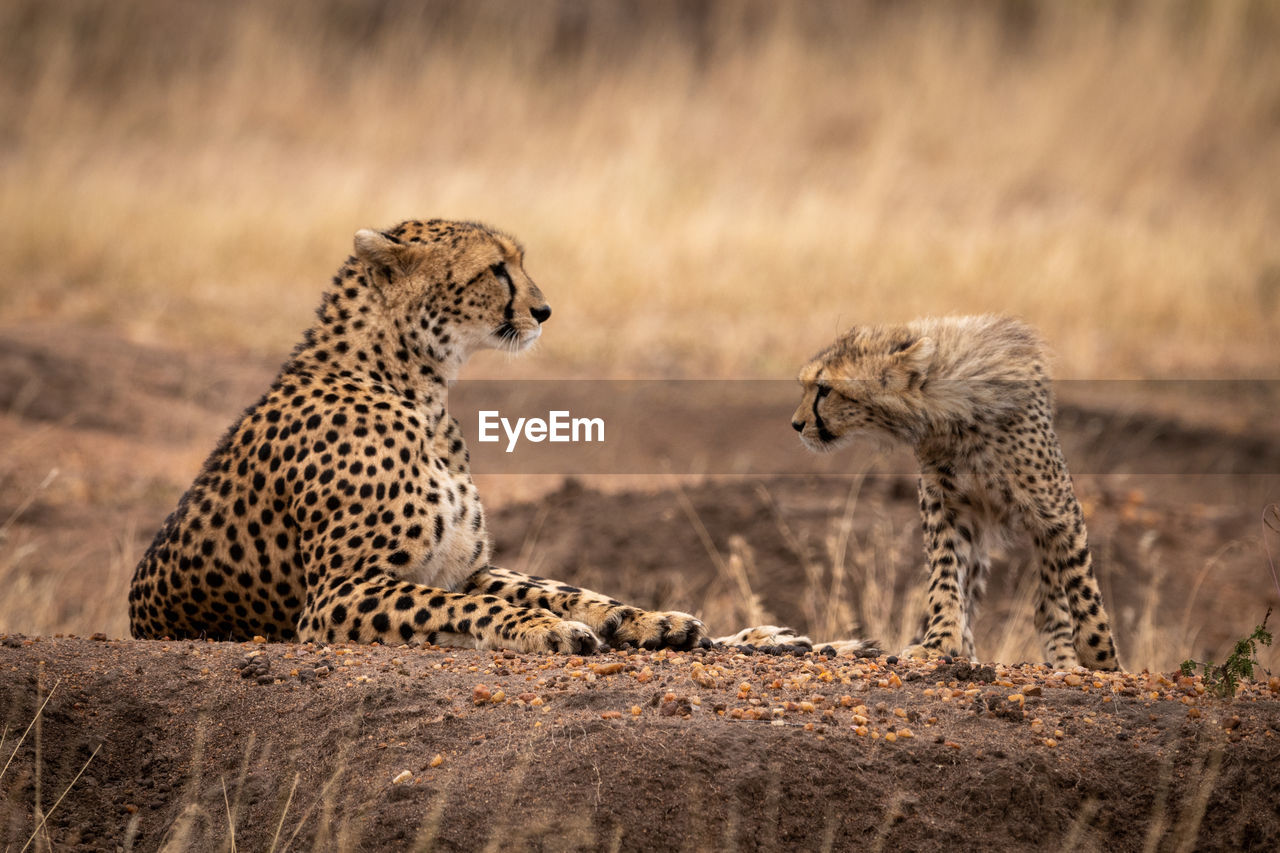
pixel 57 802
pixel 39 711
pixel 430 827
pixel 231 824
pixel 234 809
pixel 741 566
pixel 835 615
pixel 27 501
pixel 1075 834
pixel 892 813
pixel 830 823
pixel 515 781
pixel 280 825
pixel 323 798
pixel 1210 565
pixel 1187 830
pixel 1271 522
pixel 1160 811
pixel 691 512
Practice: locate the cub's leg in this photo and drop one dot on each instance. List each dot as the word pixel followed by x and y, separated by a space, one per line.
pixel 1053 619
pixel 951 566
pixel 971 531
pixel 614 621
pixel 1064 549
pixel 389 610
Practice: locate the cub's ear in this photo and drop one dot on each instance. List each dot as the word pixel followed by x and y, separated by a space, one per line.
pixel 908 363
pixel 388 256
pixel 916 354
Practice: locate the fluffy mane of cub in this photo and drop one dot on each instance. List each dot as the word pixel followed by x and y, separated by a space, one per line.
pixel 932 373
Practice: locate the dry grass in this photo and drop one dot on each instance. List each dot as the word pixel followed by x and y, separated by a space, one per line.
pixel 193 172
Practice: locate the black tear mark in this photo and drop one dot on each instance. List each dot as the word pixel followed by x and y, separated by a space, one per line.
pixel 500 271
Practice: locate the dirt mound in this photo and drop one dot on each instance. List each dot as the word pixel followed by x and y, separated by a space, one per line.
pixel 338 748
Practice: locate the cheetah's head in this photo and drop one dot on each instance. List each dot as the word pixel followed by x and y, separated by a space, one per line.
pixel 453 288
pixel 863 383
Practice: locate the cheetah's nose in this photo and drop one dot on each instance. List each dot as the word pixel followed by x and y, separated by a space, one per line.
pixel 798 426
pixel 541 313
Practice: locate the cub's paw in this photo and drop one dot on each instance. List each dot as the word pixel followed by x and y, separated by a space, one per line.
pixel 921 652
pixel 558 636
pixel 1110 664
pixel 1063 660
pixel 657 629
pixel 766 636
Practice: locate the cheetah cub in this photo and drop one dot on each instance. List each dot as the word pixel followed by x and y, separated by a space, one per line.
pixel 340 507
pixel 971 396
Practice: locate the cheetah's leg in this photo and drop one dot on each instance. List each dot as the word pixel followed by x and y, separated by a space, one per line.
pixel 950 553
pixel 1064 548
pixel 1053 620
pixel 389 610
pixel 614 621
pixel 970 529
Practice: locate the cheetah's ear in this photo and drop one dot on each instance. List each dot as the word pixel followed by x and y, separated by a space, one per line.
pixel 909 363
pixel 918 353
pixel 387 255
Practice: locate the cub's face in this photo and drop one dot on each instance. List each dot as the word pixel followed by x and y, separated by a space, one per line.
pixel 828 419
pixel 458 285
pixel 868 381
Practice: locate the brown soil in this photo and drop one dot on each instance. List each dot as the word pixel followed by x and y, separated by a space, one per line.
pixel 641 751
pixel 1140 758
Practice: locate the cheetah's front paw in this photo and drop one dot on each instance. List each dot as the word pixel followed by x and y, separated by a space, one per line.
pixel 653 629
pixel 559 635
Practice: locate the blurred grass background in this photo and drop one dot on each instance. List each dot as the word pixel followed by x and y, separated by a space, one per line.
pixel 706 187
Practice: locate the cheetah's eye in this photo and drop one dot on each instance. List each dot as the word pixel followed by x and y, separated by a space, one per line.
pixel 823 390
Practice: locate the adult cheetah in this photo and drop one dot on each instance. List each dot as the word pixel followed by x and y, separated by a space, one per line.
pixel 340 507
pixel 971 396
